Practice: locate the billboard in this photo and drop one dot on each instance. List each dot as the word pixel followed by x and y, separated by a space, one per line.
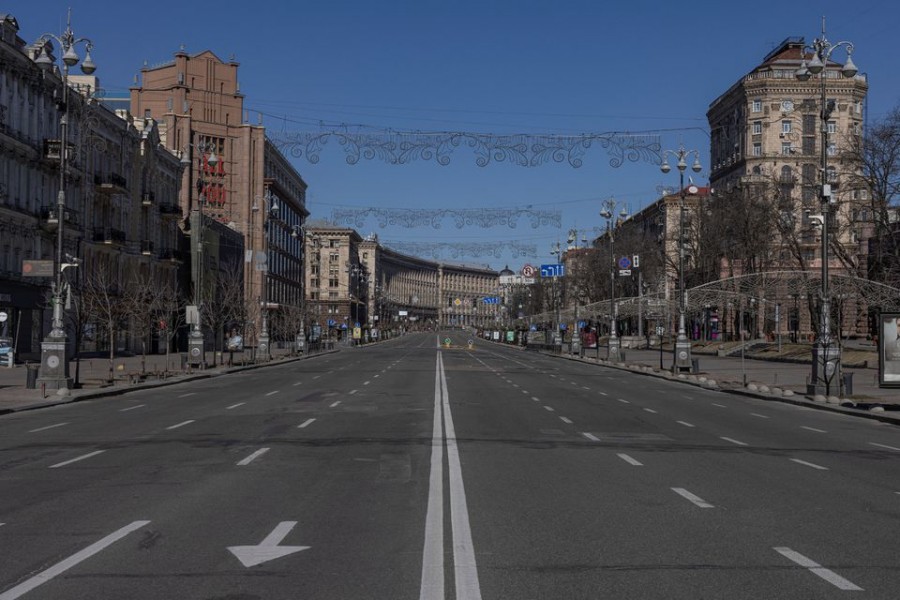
pixel 889 350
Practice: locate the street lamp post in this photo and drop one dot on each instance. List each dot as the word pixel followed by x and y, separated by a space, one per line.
pixel 557 333
pixel 206 159
pixel 682 343
pixel 54 369
pixel 826 355
pixel 271 212
pixel 608 213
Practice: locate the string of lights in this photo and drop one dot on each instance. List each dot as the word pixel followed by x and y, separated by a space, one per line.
pixel 434 218
pixel 440 250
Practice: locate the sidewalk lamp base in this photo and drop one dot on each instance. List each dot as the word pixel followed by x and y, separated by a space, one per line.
pixel 683 355
pixel 196 352
pixel 826 361
pixel 54 370
pixel 614 354
pixel 263 351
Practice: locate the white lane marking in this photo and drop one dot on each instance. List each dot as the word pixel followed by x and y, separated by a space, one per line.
pixel 317 376
pixel 650 410
pixel 76 459
pixel 809 464
pixel 66 564
pixel 272 393
pixel 630 461
pixel 548 408
pixel 817 569
pixel 376 376
pixel 352 392
pixel 131 407
pixel 305 423
pixel 813 429
pixel 182 424
pixel 591 437
pixel 525 392
pixel 584 387
pixel 692 498
pixel 252 457
pixel 535 398
pixel 432 583
pixel 685 423
pixel 235 405
pixel 565 420
pixel 603 394
pixel 515 385
pixel 333 404
pixel 48 427
pixel 719 405
pixel 733 441
pixel 188 394
pixel 298 383
pixel 623 401
pixel 465 566
pixel 366 382
pixel 759 415
pixel 884 446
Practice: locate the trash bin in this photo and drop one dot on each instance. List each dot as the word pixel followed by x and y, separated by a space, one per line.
pixel 695 365
pixel 32 375
pixel 847 380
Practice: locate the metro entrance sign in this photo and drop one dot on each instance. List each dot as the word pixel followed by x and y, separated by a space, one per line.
pixel 557 270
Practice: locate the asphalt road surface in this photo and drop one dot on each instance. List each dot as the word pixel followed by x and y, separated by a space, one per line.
pixel 416 470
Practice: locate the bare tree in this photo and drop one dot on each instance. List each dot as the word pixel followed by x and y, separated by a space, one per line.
pixel 173 317
pixel 102 295
pixel 223 302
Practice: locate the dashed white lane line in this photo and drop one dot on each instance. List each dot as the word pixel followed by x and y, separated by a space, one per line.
pixel 233 406
pixel 66 564
pixel 535 398
pixel 584 387
pixel 817 569
pixel 366 382
pixel 759 415
pixel 876 444
pixel 630 461
pixel 813 429
pixel 591 437
pixel 298 383
pixel 376 376
pixel 272 393
pixel 76 459
pixel 48 427
pixel 305 423
pixel 182 424
pixel 733 441
pixel 698 501
pixel 623 401
pixel 549 408
pixel 650 410
pixel 809 464
pixel 188 394
pixel 719 405
pixel 353 392
pixel 603 394
pixel 252 457
pixel 565 420
pixel 333 404
pixel 525 392
pixel 685 423
pixel 131 407
pixel 317 376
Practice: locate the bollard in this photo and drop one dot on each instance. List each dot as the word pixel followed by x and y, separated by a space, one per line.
pixel 43 390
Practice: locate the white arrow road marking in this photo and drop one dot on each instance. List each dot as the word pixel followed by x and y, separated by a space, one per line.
pixel 62 566
pixel 252 457
pixel 268 549
pixel 47 427
pixel 814 567
pixel 82 457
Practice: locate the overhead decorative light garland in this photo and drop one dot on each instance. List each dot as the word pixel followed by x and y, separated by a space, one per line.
pixel 459 250
pixel 434 218
pixel 524 150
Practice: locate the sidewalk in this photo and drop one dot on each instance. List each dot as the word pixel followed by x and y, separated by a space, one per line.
pixel 94 375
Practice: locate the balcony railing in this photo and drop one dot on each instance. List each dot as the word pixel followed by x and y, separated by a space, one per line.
pixel 170 210
pixel 50 220
pixel 147 248
pixel 172 255
pixel 108 235
pixel 111 182
pixel 148 198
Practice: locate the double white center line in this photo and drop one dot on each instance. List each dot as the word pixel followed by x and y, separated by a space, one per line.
pixel 465 568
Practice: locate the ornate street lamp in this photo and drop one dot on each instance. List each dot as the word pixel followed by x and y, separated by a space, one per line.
pixel 609 213
pixel 826 354
pixel 54 369
pixel 682 343
pixel 270 214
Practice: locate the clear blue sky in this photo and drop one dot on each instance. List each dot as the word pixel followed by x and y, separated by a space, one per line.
pixel 498 67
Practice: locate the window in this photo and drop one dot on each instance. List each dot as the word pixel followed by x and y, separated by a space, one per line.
pixel 757 149
pixel 786 126
pixel 756 106
pixel 757 126
pixel 832 150
pixel 831 127
pixel 832 175
pixel 785 147
pixel 334 257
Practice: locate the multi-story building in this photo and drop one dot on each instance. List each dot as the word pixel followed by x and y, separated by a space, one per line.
pixel 766 144
pixel 120 187
pixel 250 186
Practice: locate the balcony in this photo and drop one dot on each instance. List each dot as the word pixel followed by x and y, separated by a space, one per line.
pixel 51 150
pixel 146 247
pixel 111 183
pixel 169 210
pixel 50 222
pixel 148 199
pixel 108 235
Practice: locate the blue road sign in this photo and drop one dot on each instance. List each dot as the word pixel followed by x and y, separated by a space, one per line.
pixel 624 263
pixel 331 322
pixel 557 270
pixel 533 328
